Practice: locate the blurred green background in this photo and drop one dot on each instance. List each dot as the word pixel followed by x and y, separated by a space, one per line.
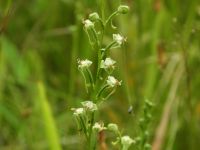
pixel 40 42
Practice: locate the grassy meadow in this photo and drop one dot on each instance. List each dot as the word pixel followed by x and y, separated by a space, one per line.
pixel 40 42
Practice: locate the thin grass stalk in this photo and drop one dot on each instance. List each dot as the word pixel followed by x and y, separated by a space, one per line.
pixel 152 70
pixel 75 47
pixel 161 130
pixel 47 118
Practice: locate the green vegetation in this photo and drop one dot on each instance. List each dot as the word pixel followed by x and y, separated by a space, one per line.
pixel 40 42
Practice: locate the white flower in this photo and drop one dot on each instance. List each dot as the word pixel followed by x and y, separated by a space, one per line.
pixel 112 82
pixel 78 111
pixel 98 127
pixel 118 38
pixel 88 24
pixel 89 105
pixel 108 63
pixel 126 142
pixel 84 63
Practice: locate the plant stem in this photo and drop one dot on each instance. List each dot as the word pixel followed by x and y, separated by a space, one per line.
pixel 101 91
pixel 91 78
pixel 110 17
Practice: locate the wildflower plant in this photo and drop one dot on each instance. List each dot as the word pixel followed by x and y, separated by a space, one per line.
pixel 142 140
pixel 100 84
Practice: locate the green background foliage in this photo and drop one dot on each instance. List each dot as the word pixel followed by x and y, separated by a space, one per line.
pixel 40 42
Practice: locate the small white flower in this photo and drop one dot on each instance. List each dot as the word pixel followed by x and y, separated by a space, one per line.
pixel 108 63
pixel 84 63
pixel 88 24
pixel 112 82
pixel 78 111
pixel 126 141
pixel 118 38
pixel 89 105
pixel 98 127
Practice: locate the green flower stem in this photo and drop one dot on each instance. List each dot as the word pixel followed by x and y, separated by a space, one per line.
pixel 90 78
pixel 96 37
pixel 102 4
pixel 101 91
pixel 111 93
pixel 77 123
pixel 115 47
pixel 90 41
pixel 91 144
pixel 102 24
pixel 109 46
pixel 84 127
pixel 86 88
pixel 99 64
pixel 110 17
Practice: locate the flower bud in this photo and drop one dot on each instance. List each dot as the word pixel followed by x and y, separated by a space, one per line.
pixel 88 24
pixel 94 16
pixel 113 127
pixel 123 9
pixel 149 103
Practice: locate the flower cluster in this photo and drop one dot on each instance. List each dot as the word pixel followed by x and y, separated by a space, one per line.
pixel 101 84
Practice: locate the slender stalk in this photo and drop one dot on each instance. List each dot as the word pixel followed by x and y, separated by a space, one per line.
pixel 90 131
pixel 75 47
pixel 48 119
pixel 161 130
pixel 109 46
pixel 101 91
pixel 110 17
pixel 96 37
pixel 111 93
pixel 152 72
pixel 84 127
pixel 85 80
pixel 90 78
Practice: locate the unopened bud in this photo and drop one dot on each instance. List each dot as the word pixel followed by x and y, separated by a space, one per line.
pixel 113 127
pixel 94 16
pixel 123 9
